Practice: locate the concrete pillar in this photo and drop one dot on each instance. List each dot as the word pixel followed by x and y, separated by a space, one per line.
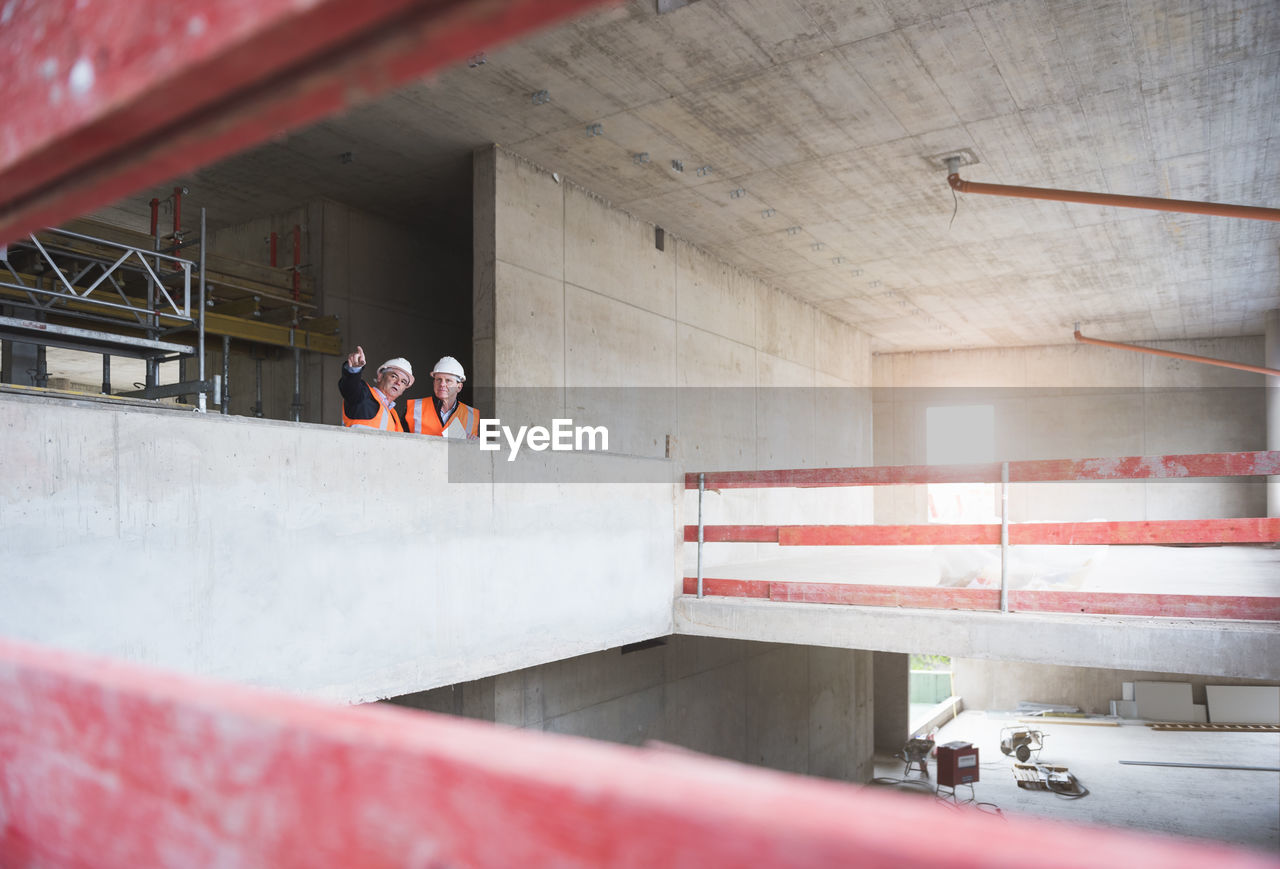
pixel 892 677
pixel 510 699
pixel 838 717
pixel 484 211
pixel 1272 360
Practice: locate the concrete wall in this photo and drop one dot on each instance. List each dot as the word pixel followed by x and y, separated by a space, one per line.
pixel 337 563
pixel 1002 684
pixel 1082 401
pixel 795 708
pixel 573 292
pixel 680 353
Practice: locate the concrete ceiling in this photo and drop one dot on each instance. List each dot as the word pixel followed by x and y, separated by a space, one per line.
pixel 815 119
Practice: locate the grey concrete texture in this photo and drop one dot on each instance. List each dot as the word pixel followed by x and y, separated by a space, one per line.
pixel 892 700
pixel 583 297
pixel 1237 649
pixel 788 707
pixel 339 564
pixel 825 113
pixel 986 684
pixel 1240 807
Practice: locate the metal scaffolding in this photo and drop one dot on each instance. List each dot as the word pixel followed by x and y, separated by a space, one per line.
pixel 103 289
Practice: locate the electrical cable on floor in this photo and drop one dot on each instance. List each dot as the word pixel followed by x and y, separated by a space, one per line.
pixel 981 805
pixel 1080 790
pixel 924 785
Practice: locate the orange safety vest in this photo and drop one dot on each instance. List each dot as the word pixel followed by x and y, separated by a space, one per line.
pixel 420 414
pixel 386 420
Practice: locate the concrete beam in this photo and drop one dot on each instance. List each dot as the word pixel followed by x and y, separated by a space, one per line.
pixel 1208 647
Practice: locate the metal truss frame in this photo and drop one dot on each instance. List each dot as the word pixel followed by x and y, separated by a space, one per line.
pixel 86 286
pixel 65 289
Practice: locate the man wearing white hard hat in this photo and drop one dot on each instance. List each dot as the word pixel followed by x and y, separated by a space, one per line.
pixel 443 415
pixel 373 406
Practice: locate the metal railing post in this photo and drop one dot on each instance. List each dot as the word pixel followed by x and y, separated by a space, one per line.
pixel 702 481
pixel 203 400
pixel 1004 537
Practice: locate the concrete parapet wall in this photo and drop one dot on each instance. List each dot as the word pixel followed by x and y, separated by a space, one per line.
pixel 337 563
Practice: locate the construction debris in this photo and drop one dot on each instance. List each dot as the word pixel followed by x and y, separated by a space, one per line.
pixel 1214 728
pixel 1026 707
pixel 1199 765
pixel 1047 777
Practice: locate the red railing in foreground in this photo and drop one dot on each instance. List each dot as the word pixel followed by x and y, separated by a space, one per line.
pixel 115 97
pixel 108 764
pixel 1177 531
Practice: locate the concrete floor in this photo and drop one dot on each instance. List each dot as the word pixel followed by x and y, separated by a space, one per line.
pixel 1236 806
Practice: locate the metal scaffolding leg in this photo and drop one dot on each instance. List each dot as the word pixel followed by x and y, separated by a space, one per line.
pixel 297 385
pixel 226 374
pixel 203 402
pixel 42 367
pixel 106 373
pixel 257 377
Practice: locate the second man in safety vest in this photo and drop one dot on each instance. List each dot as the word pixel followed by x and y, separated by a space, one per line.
pixel 443 415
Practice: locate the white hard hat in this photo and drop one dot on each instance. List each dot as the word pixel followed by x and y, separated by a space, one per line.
pixel 399 362
pixel 449 365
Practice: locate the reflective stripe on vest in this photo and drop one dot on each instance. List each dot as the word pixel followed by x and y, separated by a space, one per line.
pixel 465 415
